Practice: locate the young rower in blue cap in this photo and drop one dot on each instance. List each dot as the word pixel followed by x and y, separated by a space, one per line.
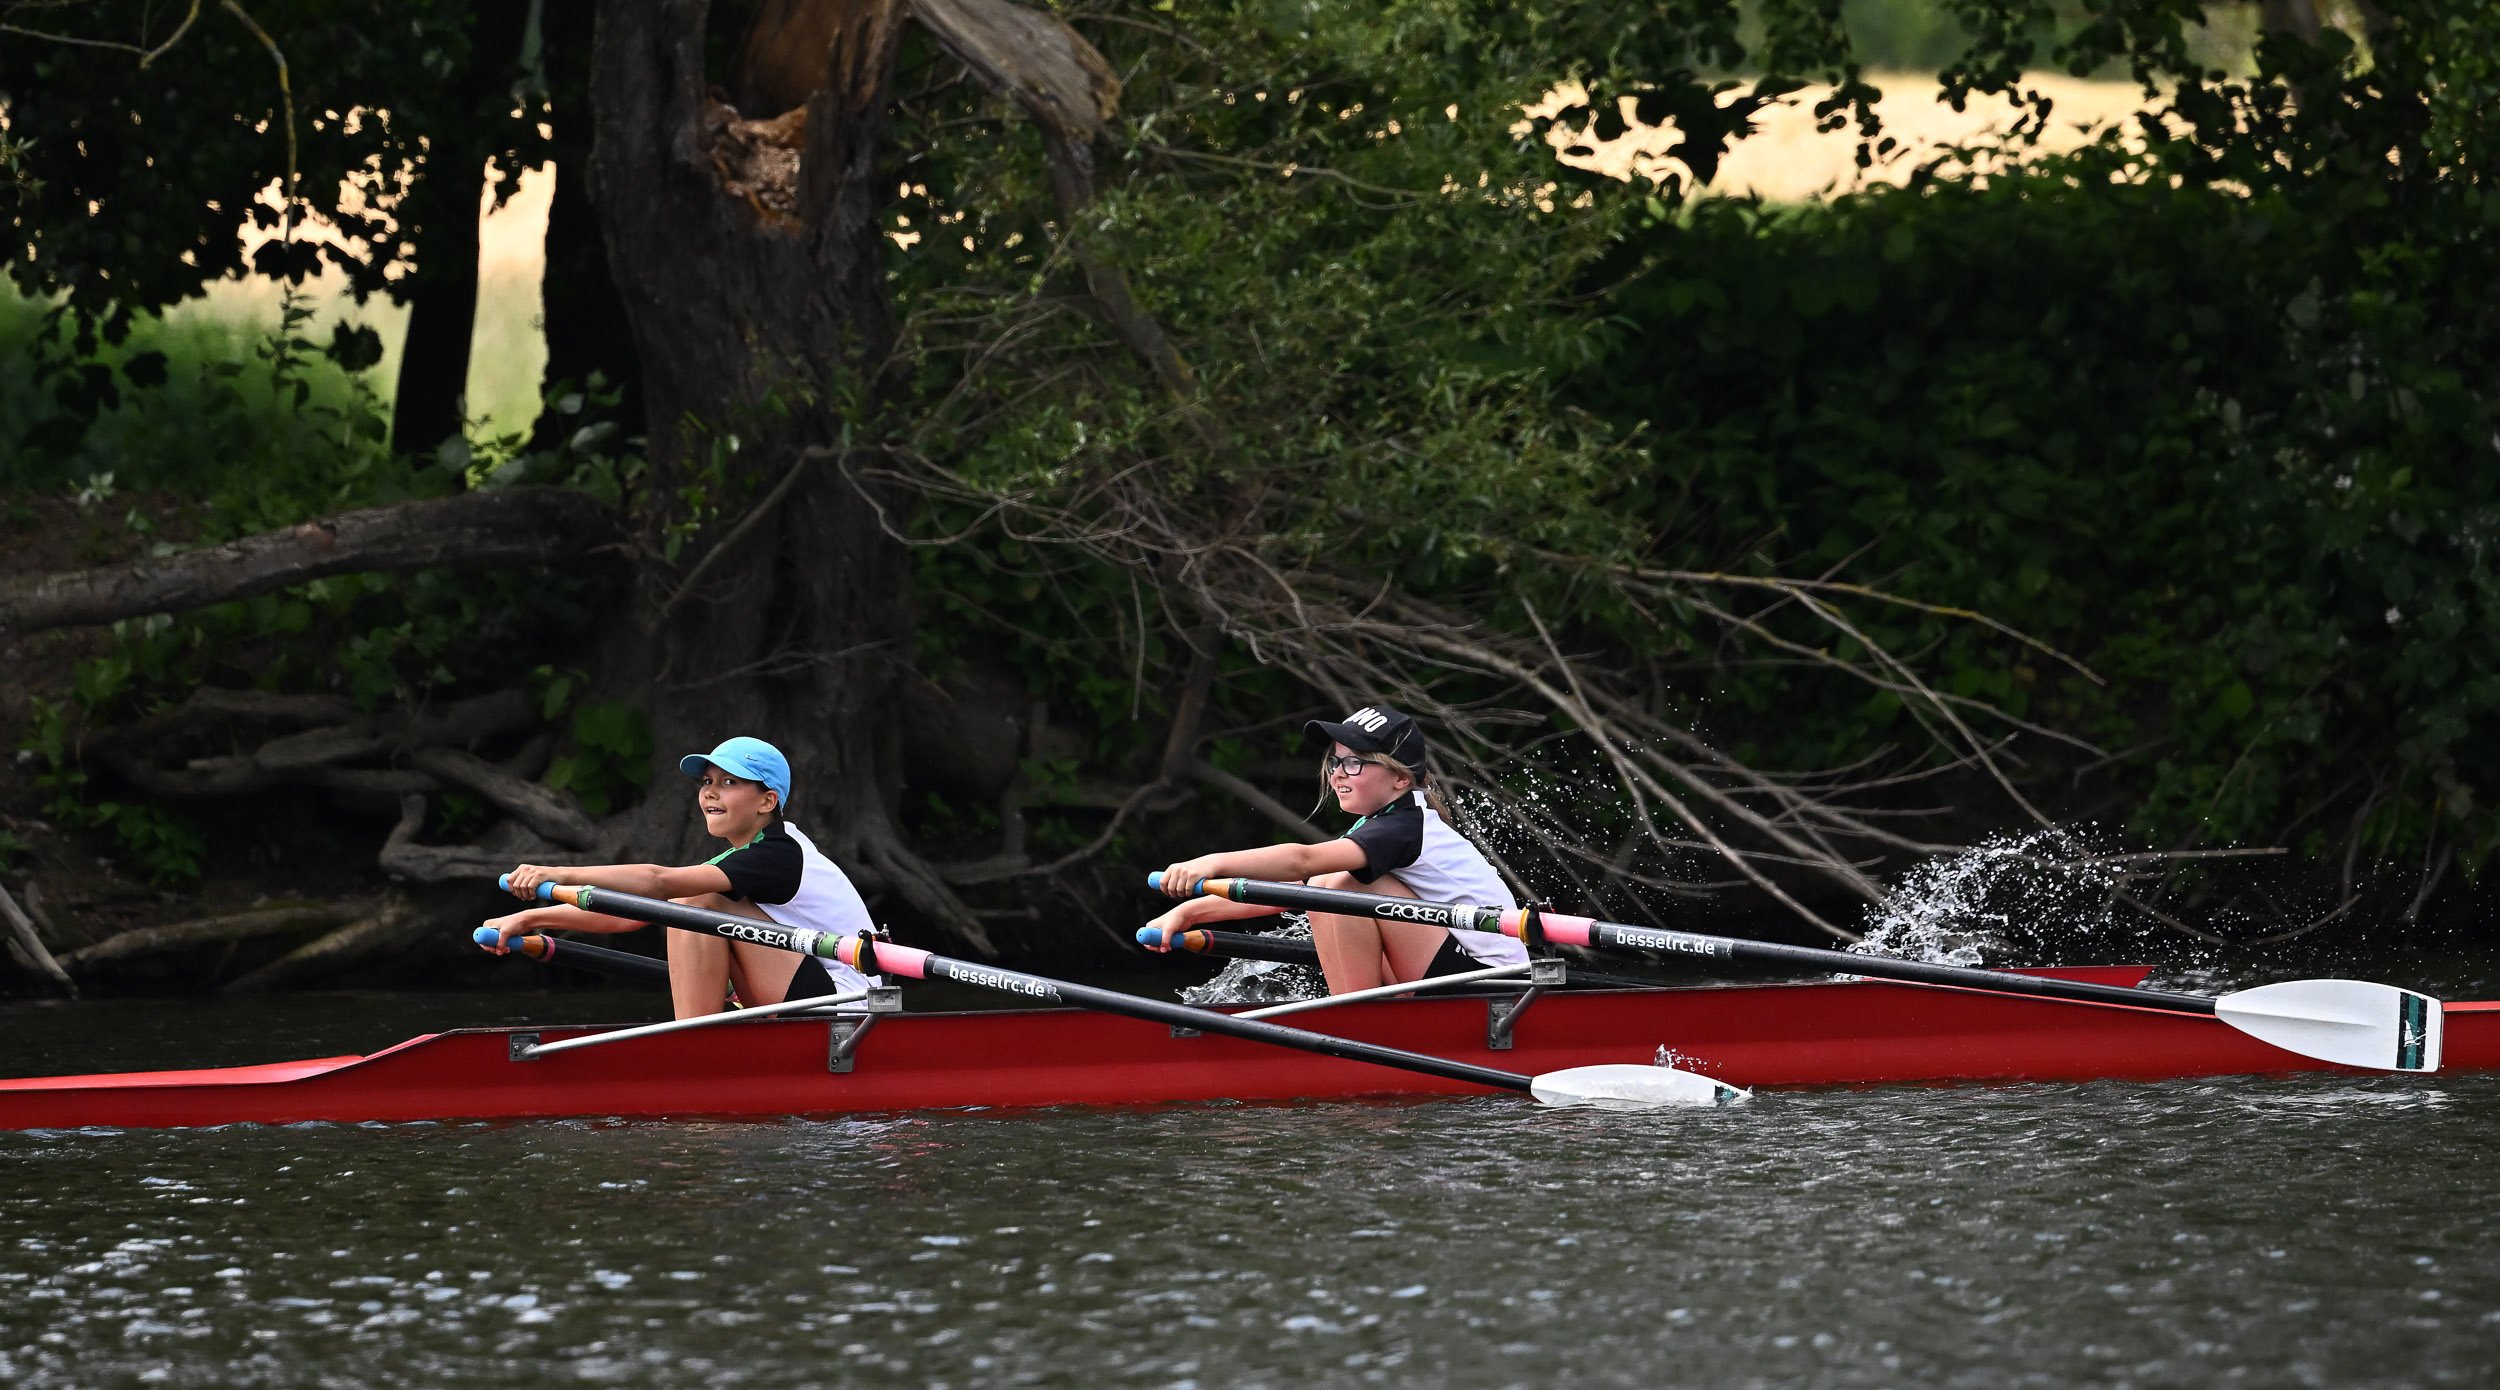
pixel 1379 767
pixel 770 870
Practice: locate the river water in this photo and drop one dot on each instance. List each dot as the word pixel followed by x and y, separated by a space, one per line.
pixel 2328 1231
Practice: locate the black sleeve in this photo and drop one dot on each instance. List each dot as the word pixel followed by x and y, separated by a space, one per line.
pixel 767 871
pixel 1390 841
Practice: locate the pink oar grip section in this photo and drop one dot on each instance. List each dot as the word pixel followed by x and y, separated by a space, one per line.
pixel 1559 929
pixel 910 962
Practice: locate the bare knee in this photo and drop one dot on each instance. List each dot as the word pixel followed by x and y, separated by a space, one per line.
pixel 1382 886
pixel 716 902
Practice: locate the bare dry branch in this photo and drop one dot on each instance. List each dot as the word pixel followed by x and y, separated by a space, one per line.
pixel 211 931
pixel 475 531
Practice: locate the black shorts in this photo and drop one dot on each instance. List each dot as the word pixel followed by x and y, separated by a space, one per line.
pixel 1450 960
pixel 810 980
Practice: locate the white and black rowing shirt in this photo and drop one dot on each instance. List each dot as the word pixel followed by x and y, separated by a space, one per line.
pixel 1409 839
pixel 782 872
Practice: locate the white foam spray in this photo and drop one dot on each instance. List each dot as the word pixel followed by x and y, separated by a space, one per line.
pixel 1262 981
pixel 2030 892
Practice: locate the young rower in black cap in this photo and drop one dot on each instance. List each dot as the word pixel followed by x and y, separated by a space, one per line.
pixel 1379 768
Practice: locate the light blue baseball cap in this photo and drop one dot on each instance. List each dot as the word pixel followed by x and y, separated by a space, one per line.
pixel 751 758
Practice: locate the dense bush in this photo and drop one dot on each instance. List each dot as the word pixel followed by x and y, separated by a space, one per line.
pixel 2214 415
pixel 219 433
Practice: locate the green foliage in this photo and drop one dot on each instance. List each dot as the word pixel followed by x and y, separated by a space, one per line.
pixel 2202 411
pixel 252 436
pixel 591 453
pixel 164 844
pixel 2215 417
pixel 1331 209
pixel 256 424
pixel 132 177
pixel 606 759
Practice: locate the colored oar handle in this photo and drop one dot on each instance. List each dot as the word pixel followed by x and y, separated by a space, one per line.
pixel 1155 880
pixel 621 964
pixel 546 891
pixel 1152 939
pixel 534 947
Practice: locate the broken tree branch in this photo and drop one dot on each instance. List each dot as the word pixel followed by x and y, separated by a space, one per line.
pixel 507 529
pixel 209 931
pixel 23 936
pixel 396 923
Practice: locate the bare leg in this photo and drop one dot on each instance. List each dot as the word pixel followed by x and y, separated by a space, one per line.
pixel 700 968
pixel 1366 952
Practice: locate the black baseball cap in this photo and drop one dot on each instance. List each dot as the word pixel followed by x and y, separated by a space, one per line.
pixel 1373 729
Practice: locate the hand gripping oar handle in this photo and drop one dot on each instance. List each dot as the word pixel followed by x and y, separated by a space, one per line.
pixel 684 918
pixel 547 948
pixel 871 957
pixel 1201 941
pixel 1583 931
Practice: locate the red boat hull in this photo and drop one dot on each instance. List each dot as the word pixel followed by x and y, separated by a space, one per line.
pixel 1838 1033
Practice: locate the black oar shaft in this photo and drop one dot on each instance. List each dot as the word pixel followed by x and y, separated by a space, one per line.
pixel 661 913
pixel 1294 950
pixel 1206 941
pixel 913 963
pixel 621 964
pixel 1616 936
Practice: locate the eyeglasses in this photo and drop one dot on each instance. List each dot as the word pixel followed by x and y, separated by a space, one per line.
pixel 1348 766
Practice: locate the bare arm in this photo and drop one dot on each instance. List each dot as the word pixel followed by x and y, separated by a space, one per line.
pixel 1287 863
pixel 1197 912
pixel 647 880
pixel 545 919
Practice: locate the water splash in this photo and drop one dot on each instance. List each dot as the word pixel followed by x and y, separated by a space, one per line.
pixel 1262 981
pixel 2032 893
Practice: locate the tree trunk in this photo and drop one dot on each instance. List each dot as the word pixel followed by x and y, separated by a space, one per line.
pixel 426 406
pixel 586 327
pixel 767 328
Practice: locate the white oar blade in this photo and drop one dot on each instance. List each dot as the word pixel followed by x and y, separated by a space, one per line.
pixel 2349 1022
pixel 1628 1087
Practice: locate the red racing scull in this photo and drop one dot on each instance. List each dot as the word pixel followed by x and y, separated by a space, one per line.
pixel 1858 1032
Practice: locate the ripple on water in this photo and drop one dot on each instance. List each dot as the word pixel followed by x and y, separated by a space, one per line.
pixel 2277 1231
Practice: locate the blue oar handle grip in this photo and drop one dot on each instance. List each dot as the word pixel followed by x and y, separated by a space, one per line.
pixel 1151 938
pixel 1155 880
pixel 486 937
pixel 546 891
